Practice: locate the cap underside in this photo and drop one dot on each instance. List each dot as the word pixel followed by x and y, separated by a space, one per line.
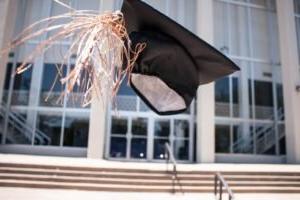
pixel 161 96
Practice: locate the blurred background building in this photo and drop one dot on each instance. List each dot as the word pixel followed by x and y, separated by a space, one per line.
pixel 252 116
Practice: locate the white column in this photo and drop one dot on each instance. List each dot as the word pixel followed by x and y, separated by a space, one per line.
pixel 205 144
pixel 290 77
pixel 97 128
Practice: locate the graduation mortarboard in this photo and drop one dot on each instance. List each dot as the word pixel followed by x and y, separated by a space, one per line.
pixel 174 63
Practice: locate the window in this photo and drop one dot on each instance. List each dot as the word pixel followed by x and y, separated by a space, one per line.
pixel 118 147
pixel 162 131
pixel 118 142
pixel 249 103
pixel 128 138
pixel 181 139
pixel 222 139
pixel 226 97
pixel 51 87
pixel 21 87
pixel 76 131
pixel 50 127
pixel 263 97
pixel 138 148
pixel 7 82
pixel 16 134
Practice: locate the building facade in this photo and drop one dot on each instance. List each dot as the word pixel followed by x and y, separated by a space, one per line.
pixel 251 116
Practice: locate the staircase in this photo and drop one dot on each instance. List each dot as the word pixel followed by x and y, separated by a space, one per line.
pixel 142 180
pixel 265 138
pixel 18 131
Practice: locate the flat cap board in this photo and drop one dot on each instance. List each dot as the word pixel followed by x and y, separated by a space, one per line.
pixel 175 61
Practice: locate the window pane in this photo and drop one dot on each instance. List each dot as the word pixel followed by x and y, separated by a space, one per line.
pixel 125 89
pixel 265 139
pixel 21 87
pixel 16 132
pixel 7 82
pixel 76 98
pixel 259 2
pixel 181 128
pixel 181 149
pixel 51 86
pixel 222 97
pixel 243 138
pixel 138 148
pixel 280 102
pixel 125 102
pixel 297 6
pixel 50 130
pixel 118 147
pixel 263 100
pixel 159 148
pixel 221 29
pixel 162 128
pixel 139 126
pixel 222 90
pixel 83 5
pixel 239 31
pixel 281 135
pixel 76 131
pixel 119 126
pixel 260 34
pixel 235 97
pixel 222 139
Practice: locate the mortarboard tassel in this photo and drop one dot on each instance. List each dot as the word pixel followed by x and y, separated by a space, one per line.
pixel 100 42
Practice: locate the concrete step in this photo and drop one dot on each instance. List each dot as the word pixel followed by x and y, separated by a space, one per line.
pixel 101 187
pixel 148 176
pixel 153 171
pixel 120 181
pixel 128 188
pixel 140 180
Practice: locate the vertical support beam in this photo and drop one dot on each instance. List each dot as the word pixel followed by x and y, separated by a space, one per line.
pixel 8 14
pixel 97 128
pixel 205 96
pixel 290 77
pixel 98 115
pixel 37 75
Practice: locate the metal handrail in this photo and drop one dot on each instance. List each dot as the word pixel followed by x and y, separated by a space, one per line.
pixel 170 157
pixel 220 181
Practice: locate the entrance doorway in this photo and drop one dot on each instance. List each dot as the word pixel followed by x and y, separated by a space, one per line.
pixel 138 134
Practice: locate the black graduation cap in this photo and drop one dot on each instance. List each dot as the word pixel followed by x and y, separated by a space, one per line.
pixel 175 61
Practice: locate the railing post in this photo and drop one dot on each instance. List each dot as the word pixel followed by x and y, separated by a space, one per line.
pixel 221 190
pixel 216 184
pixel 167 156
